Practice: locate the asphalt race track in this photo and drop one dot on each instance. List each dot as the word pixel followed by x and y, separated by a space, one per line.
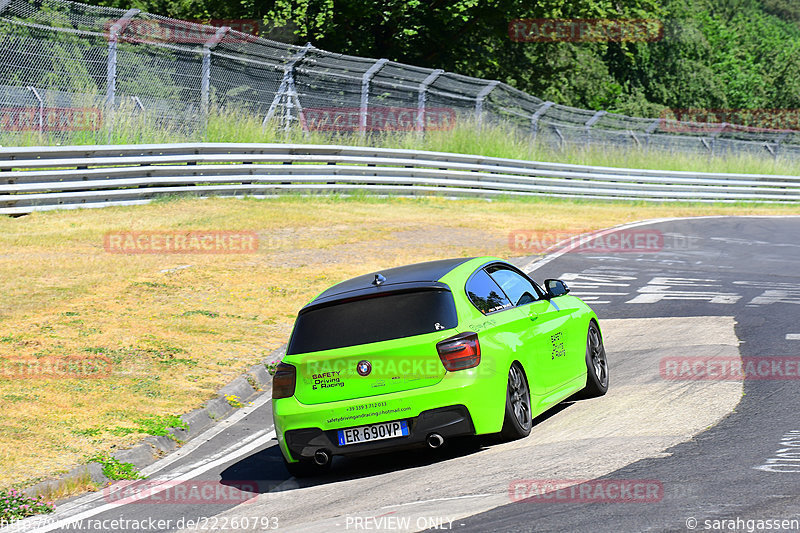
pixel 679 443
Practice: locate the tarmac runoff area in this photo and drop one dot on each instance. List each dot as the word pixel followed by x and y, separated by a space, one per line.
pixel 643 414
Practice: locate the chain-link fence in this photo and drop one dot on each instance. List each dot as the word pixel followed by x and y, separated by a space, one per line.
pixel 57 57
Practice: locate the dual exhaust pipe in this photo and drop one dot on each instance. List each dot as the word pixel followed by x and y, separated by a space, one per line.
pixel 322 456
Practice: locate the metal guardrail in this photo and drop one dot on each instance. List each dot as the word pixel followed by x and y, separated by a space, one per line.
pixel 64 177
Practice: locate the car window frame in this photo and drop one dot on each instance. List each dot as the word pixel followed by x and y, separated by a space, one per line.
pixel 466 292
pixel 540 294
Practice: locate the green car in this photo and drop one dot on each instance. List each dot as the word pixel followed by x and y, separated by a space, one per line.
pixel 413 356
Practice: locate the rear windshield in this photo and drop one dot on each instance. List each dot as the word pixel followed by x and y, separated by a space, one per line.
pixel 382 318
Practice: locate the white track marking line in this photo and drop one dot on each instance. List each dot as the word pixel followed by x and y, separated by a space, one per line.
pixel 164 483
pixel 193 445
pixel 536 263
pixel 437 500
pixel 793 336
pixel 540 262
pixel 208 435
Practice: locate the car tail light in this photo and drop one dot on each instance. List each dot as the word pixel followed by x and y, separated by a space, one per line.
pixel 460 352
pixel 284 381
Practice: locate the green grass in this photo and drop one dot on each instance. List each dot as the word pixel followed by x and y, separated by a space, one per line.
pixel 160 425
pixel 115 470
pixel 466 138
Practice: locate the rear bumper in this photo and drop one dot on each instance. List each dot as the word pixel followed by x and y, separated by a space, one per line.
pixel 451 421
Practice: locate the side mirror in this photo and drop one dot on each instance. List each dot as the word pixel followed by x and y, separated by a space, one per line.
pixel 555 288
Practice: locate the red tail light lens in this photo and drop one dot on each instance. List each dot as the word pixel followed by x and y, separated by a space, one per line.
pixel 284 381
pixel 460 352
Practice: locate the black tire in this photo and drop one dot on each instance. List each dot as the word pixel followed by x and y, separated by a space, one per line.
pixel 517 422
pixel 306 468
pixel 596 365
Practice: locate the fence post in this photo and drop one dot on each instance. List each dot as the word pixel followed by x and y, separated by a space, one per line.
pixel 286 87
pixel 591 122
pixel 365 79
pixel 778 140
pixel 41 108
pixel 651 128
pixel 111 66
pixel 479 101
pixel 720 131
pixel 205 71
pixel 137 103
pixel 423 97
pixel 539 114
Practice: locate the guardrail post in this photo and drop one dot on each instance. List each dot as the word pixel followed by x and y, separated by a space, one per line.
pixel 423 97
pixel 479 101
pixel 365 79
pixel 286 89
pixel 205 72
pixel 538 115
pixel 591 122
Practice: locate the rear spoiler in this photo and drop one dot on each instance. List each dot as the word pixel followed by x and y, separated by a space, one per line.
pixel 374 291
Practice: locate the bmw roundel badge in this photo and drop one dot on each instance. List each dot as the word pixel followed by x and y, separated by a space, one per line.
pixel 364 368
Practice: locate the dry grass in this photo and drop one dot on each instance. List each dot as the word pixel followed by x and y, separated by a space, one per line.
pixel 68 487
pixel 176 336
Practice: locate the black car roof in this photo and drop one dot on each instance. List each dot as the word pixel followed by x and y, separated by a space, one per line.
pixel 418 275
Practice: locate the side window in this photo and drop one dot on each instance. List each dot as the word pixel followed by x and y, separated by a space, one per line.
pixel 518 288
pixel 484 293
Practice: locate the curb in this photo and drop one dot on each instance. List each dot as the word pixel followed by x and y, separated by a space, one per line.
pixel 256 380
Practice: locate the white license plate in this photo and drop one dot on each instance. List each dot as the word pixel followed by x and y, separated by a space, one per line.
pixel 384 430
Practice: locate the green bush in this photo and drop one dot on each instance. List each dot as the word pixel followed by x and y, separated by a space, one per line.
pixel 15 505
